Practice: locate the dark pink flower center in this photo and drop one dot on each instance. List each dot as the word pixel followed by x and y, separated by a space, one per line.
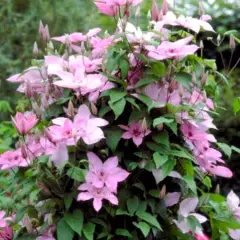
pixel 136 132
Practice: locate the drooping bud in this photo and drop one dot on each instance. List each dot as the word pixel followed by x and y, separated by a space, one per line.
pixel 163 192
pixel 155 11
pixel 201 10
pixel 94 109
pixel 35 49
pixel 204 78
pixel 201 44
pixel 232 43
pixel 164 8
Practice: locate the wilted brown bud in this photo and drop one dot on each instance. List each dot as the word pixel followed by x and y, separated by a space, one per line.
pixel 94 109
pixel 163 192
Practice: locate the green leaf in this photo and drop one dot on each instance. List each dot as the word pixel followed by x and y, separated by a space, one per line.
pixel 118 107
pixel 124 233
pixel 145 99
pixel 88 231
pixel 161 120
pixel 168 167
pixel 116 94
pixel 181 154
pixel 149 219
pixel 235 149
pixel 5 107
pixel 64 231
pixel 143 227
pixel 75 220
pixel 190 183
pixel 132 205
pixel 159 160
pixel 159 69
pixel 68 198
pixel 225 148
pixel 173 127
pixel 76 173
pixel 122 212
pixel 133 102
pixel 221 76
pixel 113 136
pixel 236 105
pixel 162 138
pixel 143 82
pixel 124 67
pixel 184 78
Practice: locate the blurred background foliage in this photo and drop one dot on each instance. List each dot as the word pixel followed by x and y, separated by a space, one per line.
pixel 19 29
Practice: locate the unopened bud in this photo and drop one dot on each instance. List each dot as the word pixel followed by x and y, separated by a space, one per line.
pixel 164 8
pixel 94 109
pixel 71 110
pixel 27 223
pixel 44 72
pixel 155 11
pixel 163 192
pixel 37 109
pixel 41 29
pixel 47 34
pixel 35 49
pixel 149 15
pixel 50 45
pixel 201 10
pixel 218 39
pixel 138 10
pixel 28 91
pixel 201 44
pixel 24 151
pixel 217 190
pixel 180 91
pixel 204 78
pixel 194 78
pixel 160 127
pixel 232 42
pixel 144 125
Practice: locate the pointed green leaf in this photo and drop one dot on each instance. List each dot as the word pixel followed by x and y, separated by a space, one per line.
pixel 64 231
pixel 147 217
pixel 143 227
pixel 88 231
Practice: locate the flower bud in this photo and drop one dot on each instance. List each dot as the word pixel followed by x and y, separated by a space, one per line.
pixel 160 127
pixel 47 34
pixel 24 151
pixel 28 91
pixel 71 110
pixel 155 11
pixel 181 91
pixel 35 49
pixel 27 223
pixel 201 44
pixel 204 79
pixel 217 190
pixel 138 11
pixel 94 109
pixel 232 43
pixel 149 15
pixel 50 45
pixel 44 72
pixel 41 29
pixel 164 8
pixel 201 10
pixel 163 192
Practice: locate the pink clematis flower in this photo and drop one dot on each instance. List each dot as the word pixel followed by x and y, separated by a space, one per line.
pixel 193 24
pixel 187 208
pixel 234 234
pixel 13 159
pixel 136 132
pixel 233 204
pixel 97 194
pixel 74 38
pixel 24 122
pixel 105 174
pixel 172 50
pixel 83 126
pixel 48 234
pixel 4 220
pixel 6 233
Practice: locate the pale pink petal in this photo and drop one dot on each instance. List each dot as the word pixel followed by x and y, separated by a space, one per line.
pixel 124 127
pixel 127 135
pixel 60 157
pixel 98 122
pixel 94 161
pixel 97 204
pixel 84 196
pixel 221 171
pixel 59 121
pixel 188 205
pixel 172 199
pixel 112 198
pixel 199 217
pixel 137 140
pixel 232 201
pixel 110 164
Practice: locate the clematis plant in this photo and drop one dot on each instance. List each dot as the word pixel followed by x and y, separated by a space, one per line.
pixel 117 141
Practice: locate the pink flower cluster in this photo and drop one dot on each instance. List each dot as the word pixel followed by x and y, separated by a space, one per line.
pixel 101 181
